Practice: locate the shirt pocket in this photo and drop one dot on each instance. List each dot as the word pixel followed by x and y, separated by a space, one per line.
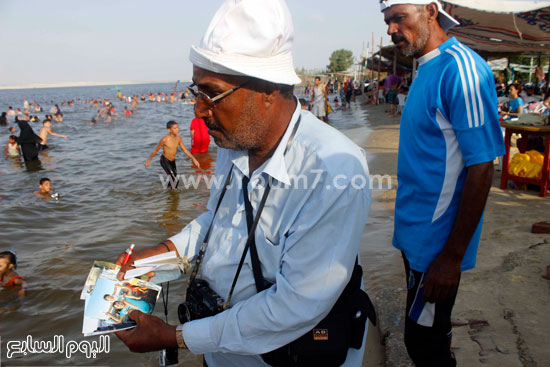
pixel 271 240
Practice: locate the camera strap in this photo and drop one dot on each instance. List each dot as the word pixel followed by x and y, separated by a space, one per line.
pixel 205 241
pixel 251 226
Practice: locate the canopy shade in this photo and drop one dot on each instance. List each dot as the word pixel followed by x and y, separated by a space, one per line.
pixel 404 63
pixel 501 6
pixel 502 26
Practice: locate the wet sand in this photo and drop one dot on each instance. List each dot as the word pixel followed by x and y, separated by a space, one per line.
pixel 501 313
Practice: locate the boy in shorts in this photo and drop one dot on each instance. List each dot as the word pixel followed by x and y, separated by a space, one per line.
pixel 169 144
pixel 44 132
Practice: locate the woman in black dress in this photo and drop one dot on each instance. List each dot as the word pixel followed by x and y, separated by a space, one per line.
pixel 27 141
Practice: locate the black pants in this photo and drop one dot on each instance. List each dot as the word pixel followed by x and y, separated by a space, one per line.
pixel 427 326
pixel 170 168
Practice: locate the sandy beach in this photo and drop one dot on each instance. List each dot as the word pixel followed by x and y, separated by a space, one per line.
pixel 500 316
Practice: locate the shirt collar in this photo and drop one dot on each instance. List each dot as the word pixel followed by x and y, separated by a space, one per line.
pixel 275 166
pixel 430 55
pixel 437 51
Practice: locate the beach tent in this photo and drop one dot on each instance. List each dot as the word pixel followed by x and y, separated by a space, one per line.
pixel 494 27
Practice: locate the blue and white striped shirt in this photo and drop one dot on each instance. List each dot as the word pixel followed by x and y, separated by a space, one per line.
pixel 450 121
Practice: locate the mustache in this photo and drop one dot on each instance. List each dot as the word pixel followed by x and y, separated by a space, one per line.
pixel 398 38
pixel 211 124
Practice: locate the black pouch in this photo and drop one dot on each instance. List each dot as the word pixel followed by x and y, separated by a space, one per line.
pixel 328 342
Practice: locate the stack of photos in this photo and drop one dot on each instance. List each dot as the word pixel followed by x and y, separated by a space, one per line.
pixel 108 300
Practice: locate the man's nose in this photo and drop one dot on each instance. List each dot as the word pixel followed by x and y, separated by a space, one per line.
pixel 202 109
pixel 392 28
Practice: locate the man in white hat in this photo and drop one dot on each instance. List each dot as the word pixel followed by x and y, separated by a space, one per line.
pixel 449 137
pixel 305 239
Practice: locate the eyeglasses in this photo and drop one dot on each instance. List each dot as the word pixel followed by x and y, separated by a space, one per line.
pixel 211 101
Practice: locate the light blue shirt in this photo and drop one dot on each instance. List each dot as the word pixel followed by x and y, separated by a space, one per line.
pixel 514 104
pixel 307 239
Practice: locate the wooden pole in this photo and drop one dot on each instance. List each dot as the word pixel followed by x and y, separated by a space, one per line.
pixel 372 70
pixel 506 73
pixel 379 67
pixel 394 60
pixel 531 69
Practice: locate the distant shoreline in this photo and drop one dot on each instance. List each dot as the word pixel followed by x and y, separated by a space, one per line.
pixel 80 84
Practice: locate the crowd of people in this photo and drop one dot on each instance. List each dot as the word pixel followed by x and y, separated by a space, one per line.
pixel 29 145
pixel 316 95
pixel 518 98
pixel 281 280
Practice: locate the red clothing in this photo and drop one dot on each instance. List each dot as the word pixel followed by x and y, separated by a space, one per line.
pixel 127 113
pixel 11 281
pixel 201 138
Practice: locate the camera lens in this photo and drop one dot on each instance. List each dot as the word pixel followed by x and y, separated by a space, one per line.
pixel 184 314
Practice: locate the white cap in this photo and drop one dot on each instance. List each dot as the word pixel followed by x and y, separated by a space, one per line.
pixel 445 20
pixel 249 38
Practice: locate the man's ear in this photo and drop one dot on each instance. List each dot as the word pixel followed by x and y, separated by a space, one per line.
pixel 268 97
pixel 431 12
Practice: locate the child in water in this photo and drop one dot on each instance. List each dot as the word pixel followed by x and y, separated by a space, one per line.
pixel 8 277
pixel 170 144
pixel 45 190
pixel 12 148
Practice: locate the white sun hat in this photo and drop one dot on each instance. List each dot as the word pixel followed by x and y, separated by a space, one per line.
pixel 445 20
pixel 250 38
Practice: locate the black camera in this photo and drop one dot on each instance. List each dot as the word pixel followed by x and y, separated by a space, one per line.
pixel 200 302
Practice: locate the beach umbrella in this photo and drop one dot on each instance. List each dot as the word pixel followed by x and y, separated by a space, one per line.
pixel 502 26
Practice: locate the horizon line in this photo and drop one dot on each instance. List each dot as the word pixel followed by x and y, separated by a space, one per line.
pixel 83 84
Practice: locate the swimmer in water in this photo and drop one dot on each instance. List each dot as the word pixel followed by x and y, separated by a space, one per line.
pixel 44 132
pixel 45 189
pixel 170 144
pixel 57 115
pixel 8 276
pixel 106 112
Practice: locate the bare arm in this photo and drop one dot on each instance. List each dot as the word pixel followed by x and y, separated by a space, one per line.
pixel 188 153
pixel 23 284
pixel 50 131
pixel 159 145
pixel 444 272
pixel 520 111
pixel 18 150
pixel 6 150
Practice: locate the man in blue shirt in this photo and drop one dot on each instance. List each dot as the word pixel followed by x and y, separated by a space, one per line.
pixel 307 237
pixel 449 137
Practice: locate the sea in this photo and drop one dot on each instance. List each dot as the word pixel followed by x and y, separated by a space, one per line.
pixel 108 200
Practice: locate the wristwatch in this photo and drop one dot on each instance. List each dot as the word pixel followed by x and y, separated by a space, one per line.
pixel 179 337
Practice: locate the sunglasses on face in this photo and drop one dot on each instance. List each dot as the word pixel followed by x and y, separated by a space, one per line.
pixel 211 101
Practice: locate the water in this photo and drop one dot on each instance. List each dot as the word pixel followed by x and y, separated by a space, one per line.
pixel 108 200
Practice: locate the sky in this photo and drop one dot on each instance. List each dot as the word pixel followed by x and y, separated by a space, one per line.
pixel 63 41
